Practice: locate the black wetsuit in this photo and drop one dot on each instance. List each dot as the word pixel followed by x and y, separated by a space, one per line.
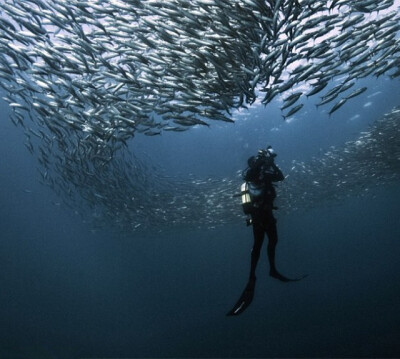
pixel 263 220
pixel 260 175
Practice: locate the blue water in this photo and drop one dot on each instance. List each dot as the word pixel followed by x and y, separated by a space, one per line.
pixel 70 292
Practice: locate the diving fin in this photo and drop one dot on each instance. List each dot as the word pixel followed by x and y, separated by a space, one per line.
pixel 245 299
pixel 282 278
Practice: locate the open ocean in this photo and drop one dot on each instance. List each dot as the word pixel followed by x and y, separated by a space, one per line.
pixel 71 291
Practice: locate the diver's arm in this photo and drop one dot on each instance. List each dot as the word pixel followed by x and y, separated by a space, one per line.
pixel 277 175
pixel 272 173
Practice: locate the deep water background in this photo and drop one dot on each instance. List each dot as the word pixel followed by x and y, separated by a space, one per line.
pixel 70 292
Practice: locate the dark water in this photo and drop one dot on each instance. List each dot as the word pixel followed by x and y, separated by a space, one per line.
pixel 69 292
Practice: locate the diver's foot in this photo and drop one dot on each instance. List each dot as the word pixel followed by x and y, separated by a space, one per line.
pixel 245 299
pixel 275 274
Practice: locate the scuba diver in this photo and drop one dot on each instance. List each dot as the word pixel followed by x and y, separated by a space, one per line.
pixel 258 195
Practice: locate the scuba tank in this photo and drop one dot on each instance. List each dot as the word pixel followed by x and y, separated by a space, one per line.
pixel 247 205
pixel 250 192
pixel 258 192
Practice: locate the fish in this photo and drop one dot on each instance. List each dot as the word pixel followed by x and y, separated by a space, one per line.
pixel 289 101
pixel 339 104
pixel 352 21
pixel 356 92
pixel 317 88
pixel 327 99
pixel 293 111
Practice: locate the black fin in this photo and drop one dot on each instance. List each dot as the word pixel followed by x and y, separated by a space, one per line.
pixel 282 278
pixel 245 299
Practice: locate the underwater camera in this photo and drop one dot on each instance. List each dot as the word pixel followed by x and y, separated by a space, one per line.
pixel 267 154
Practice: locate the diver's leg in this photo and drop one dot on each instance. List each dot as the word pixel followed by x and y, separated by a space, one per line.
pixel 258 232
pixel 272 234
pixel 248 293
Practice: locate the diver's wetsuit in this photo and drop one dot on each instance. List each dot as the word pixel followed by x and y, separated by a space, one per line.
pixel 264 221
pixel 260 175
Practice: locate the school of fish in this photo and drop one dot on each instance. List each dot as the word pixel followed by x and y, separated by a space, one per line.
pixel 128 195
pixel 84 77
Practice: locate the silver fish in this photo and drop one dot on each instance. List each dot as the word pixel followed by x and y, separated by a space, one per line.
pixel 356 92
pixel 337 105
pixel 293 111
